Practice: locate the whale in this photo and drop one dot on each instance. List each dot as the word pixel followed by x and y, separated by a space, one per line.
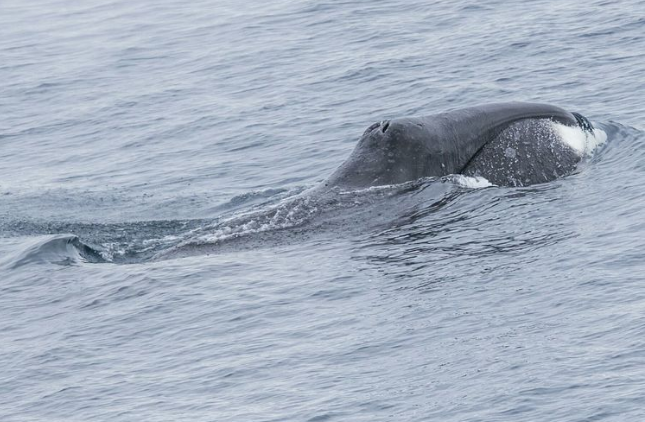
pixel 508 144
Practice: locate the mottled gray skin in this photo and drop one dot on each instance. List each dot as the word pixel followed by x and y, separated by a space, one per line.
pixel 508 143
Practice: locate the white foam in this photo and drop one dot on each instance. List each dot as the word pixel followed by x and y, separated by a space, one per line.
pixel 471 182
pixel 583 142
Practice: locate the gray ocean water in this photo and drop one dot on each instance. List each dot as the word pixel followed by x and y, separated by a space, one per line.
pixel 161 261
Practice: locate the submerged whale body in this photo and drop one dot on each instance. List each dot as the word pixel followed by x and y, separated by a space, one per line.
pixel 509 144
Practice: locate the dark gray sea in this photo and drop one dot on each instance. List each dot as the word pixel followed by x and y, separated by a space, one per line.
pixel 161 259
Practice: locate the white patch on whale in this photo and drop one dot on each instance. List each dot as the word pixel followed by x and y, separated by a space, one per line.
pixel 583 142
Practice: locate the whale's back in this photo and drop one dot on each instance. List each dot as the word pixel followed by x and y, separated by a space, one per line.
pixel 527 152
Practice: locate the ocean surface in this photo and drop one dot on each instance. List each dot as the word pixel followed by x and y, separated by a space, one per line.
pixel 162 260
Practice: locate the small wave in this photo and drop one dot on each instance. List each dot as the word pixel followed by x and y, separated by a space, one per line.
pixel 58 249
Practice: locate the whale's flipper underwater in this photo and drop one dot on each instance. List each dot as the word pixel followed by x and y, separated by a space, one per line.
pixel 509 144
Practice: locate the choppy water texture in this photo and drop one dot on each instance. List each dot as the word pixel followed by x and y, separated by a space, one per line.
pixel 160 259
